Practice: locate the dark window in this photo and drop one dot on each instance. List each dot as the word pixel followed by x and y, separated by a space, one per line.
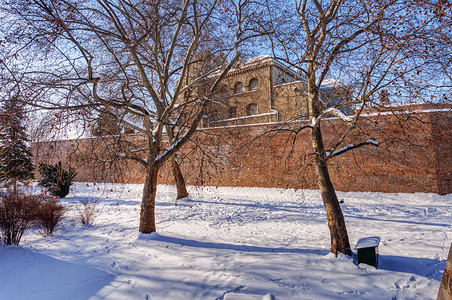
pixel 253 85
pixel 238 88
pixel 251 109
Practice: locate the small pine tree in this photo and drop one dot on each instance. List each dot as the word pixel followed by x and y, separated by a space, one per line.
pixel 15 156
pixel 56 179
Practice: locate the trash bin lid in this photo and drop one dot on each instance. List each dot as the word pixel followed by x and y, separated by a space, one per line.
pixel 367 242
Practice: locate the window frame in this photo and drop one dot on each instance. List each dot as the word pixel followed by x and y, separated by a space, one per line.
pixel 238 85
pixel 256 87
pixel 249 111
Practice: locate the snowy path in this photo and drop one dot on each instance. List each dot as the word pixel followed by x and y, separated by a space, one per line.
pixel 232 243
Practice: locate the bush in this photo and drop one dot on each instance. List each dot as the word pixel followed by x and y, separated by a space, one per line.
pixel 50 213
pixel 55 179
pixel 17 212
pixel 87 212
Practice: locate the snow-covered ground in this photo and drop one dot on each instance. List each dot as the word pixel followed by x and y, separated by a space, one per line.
pixel 232 243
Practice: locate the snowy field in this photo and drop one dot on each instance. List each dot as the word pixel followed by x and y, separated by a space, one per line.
pixel 231 243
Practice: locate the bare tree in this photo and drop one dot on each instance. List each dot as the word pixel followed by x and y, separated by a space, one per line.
pixel 347 53
pixel 137 58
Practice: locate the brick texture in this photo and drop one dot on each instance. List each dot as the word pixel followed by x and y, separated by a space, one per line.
pixel 414 156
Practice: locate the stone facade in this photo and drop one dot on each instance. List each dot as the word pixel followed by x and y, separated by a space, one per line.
pixel 260 90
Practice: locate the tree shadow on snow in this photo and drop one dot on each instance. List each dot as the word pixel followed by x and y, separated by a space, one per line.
pixel 397 221
pixel 284 207
pixel 427 267
pixel 241 248
pixel 103 200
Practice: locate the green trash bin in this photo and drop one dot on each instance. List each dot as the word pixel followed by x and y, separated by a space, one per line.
pixel 368 250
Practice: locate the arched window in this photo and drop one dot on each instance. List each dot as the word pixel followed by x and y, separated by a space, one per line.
pixel 238 88
pixel 253 85
pixel 251 109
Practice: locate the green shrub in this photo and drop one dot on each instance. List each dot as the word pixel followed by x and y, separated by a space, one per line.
pixel 55 179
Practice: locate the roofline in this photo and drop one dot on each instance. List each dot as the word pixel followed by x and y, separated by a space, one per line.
pixel 262 62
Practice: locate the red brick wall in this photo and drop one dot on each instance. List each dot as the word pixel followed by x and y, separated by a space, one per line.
pixel 414 156
pixel 442 142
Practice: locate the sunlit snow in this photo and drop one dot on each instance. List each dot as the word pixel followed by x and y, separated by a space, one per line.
pixel 232 243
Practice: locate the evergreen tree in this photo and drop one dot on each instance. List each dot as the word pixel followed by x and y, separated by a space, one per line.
pixel 56 179
pixel 15 156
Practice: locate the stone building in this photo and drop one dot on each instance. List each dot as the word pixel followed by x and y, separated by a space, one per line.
pixel 260 90
pixel 414 156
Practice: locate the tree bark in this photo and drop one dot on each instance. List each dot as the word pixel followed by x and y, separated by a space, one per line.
pixel 147 214
pixel 336 222
pixel 179 178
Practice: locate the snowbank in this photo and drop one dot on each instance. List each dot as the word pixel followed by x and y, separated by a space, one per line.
pixel 232 243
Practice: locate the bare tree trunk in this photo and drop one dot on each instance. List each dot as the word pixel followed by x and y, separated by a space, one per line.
pixel 336 222
pixel 179 178
pixel 147 214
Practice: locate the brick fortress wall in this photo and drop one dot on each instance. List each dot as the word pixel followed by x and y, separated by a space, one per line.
pixel 414 156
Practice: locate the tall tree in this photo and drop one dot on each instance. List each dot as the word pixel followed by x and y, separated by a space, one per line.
pixel 137 57
pixel 15 156
pixel 346 53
